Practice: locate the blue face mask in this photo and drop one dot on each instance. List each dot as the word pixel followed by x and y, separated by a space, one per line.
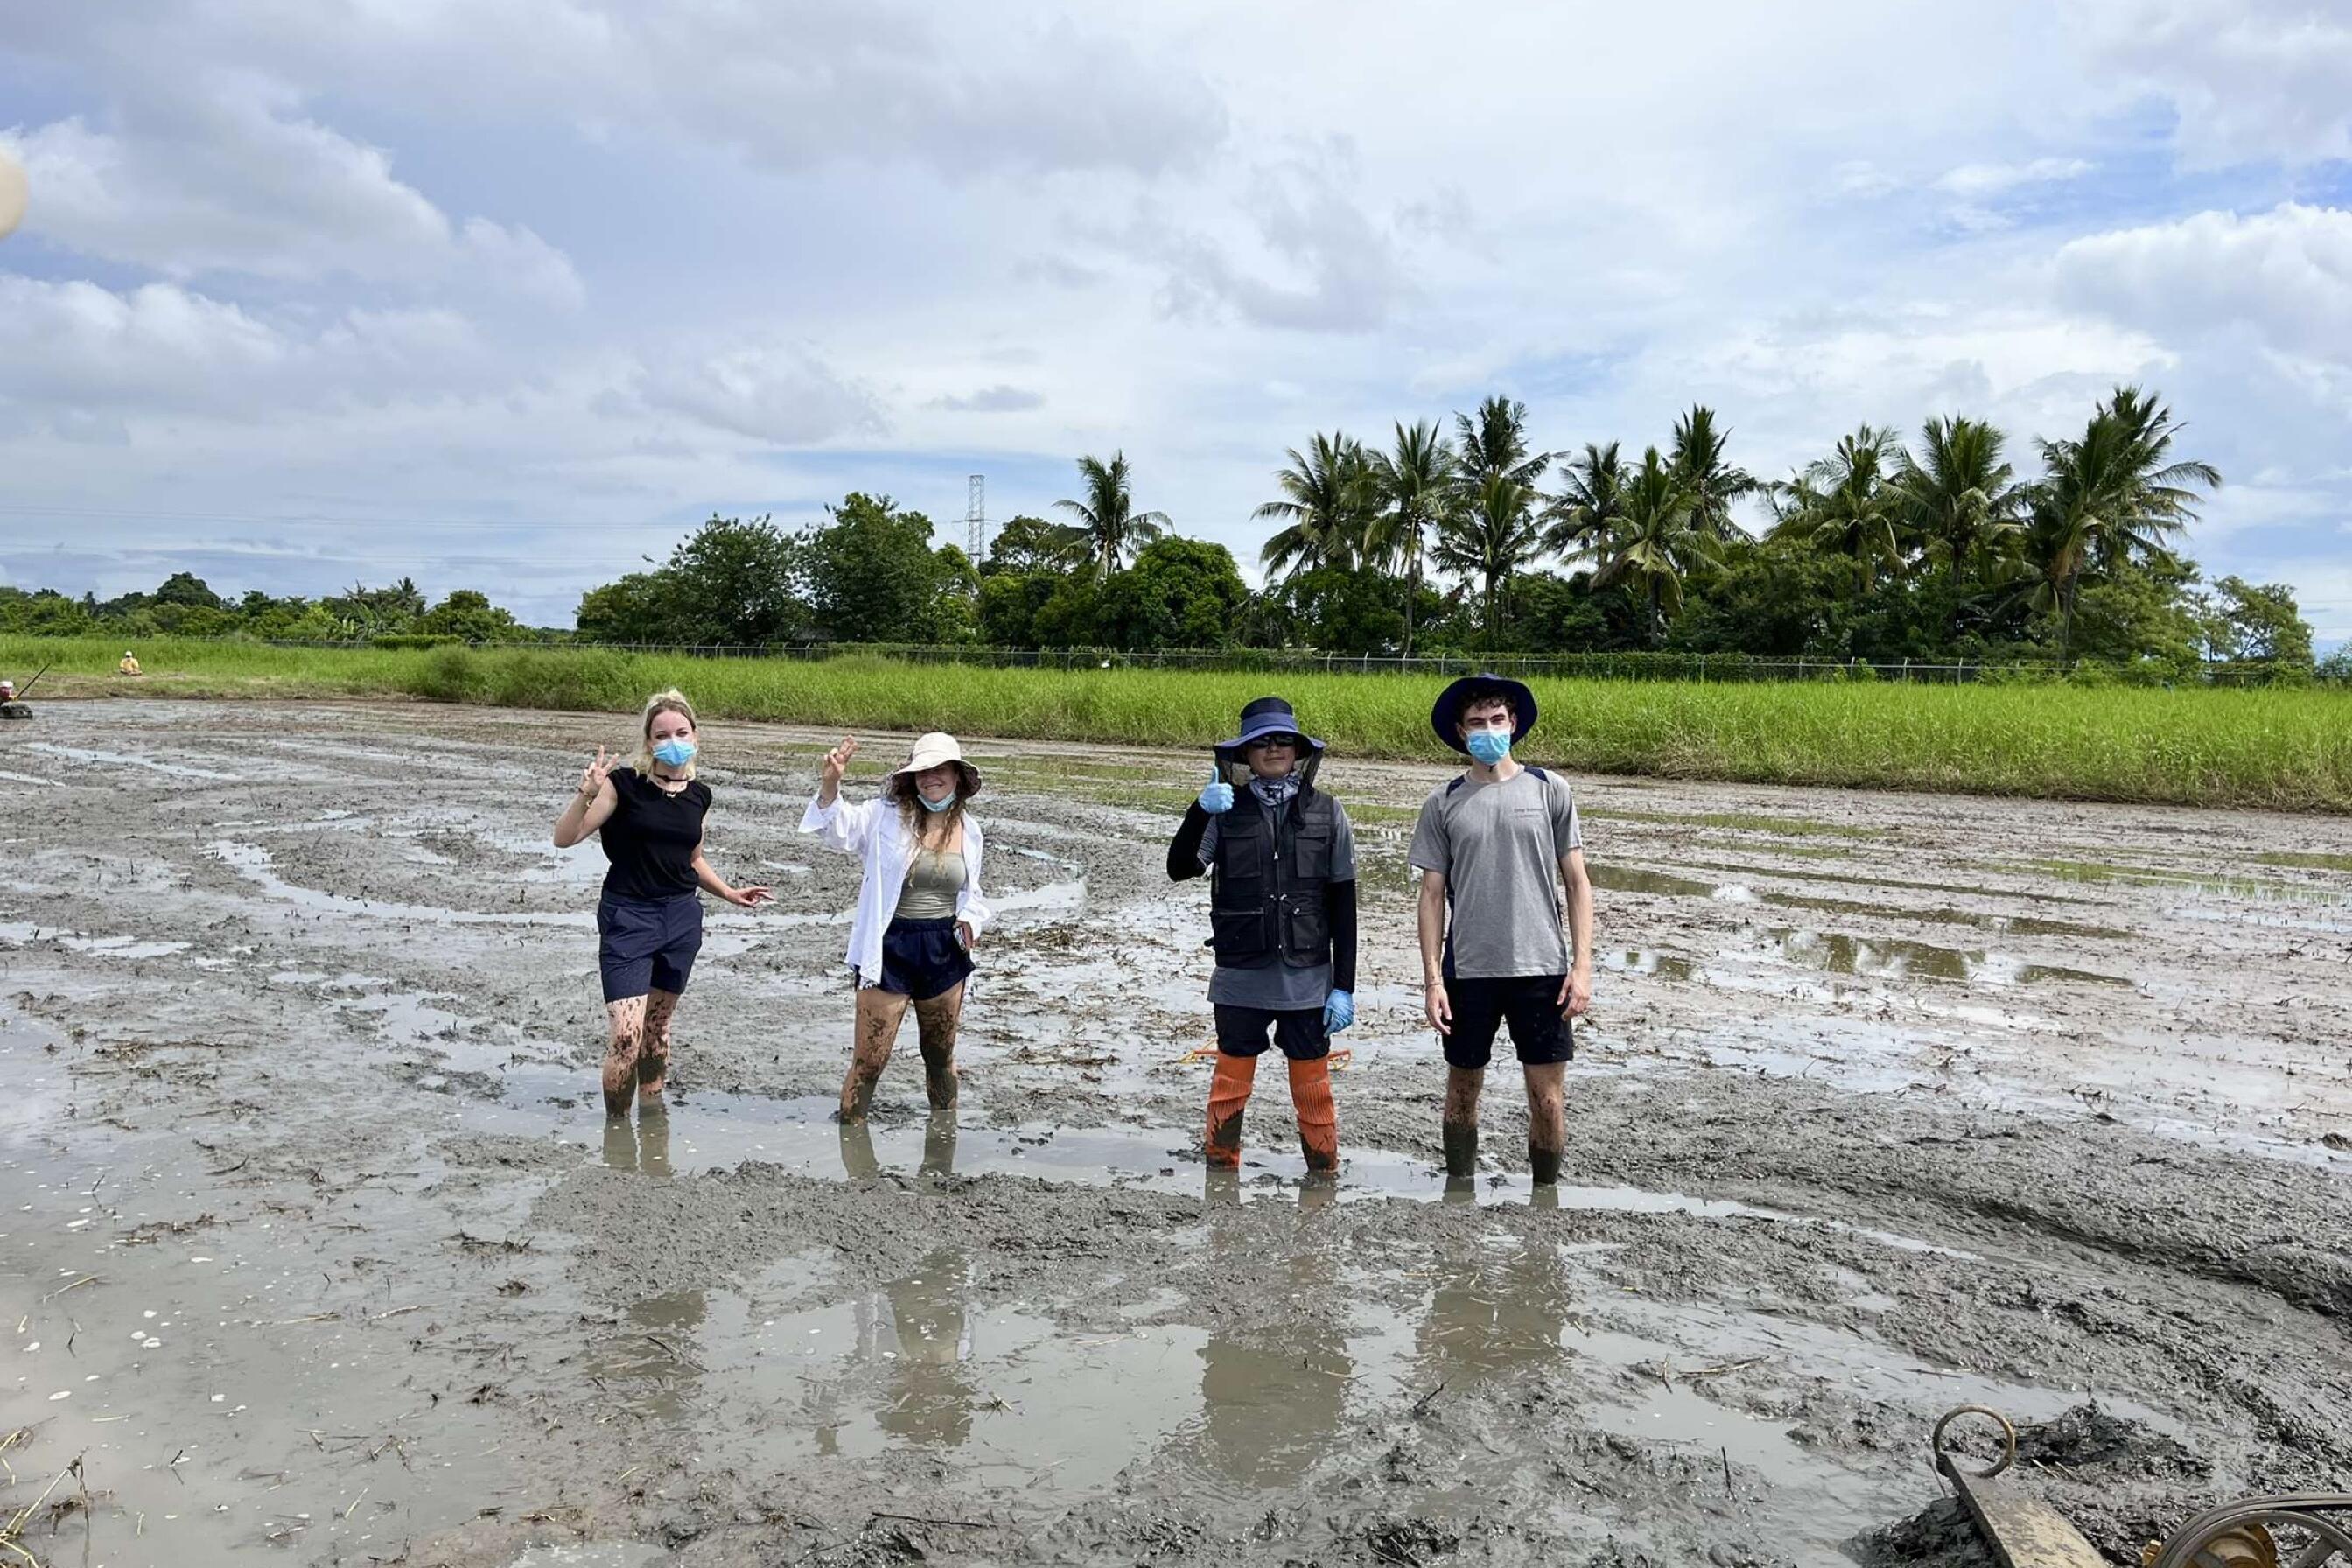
pixel 930 805
pixel 674 753
pixel 1489 746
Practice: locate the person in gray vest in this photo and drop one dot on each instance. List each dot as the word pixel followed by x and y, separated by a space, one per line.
pixel 1281 862
pixel 1494 849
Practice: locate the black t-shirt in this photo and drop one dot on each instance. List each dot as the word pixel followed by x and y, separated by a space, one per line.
pixel 651 837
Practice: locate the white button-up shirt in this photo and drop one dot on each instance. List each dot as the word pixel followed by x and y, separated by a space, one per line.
pixel 875 831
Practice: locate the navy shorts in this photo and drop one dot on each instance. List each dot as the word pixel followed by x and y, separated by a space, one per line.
pixel 645 944
pixel 1530 1003
pixel 921 959
pixel 1299 1032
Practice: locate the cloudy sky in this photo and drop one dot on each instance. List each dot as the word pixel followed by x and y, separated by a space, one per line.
pixel 508 293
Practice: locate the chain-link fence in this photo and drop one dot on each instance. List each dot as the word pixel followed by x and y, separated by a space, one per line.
pixel 1632 665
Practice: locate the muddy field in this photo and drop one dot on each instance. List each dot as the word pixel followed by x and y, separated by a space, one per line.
pixel 317 1247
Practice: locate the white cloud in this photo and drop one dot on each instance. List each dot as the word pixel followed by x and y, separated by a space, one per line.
pixel 998 399
pixel 1977 180
pixel 773 392
pixel 2250 80
pixel 2285 274
pixel 225 182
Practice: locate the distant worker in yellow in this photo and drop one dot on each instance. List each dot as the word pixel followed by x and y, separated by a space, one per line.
pixel 130 664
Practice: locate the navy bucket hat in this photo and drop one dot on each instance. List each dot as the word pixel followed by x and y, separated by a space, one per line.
pixel 1265 716
pixel 1446 717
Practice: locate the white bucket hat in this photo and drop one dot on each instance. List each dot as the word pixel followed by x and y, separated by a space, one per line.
pixel 935 749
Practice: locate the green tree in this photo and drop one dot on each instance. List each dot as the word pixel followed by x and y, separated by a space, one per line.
pixel 1108 529
pixel 1493 444
pixel 1027 544
pixel 2113 495
pixel 187 588
pixel 1585 511
pixel 1354 612
pixel 1489 538
pixel 1181 593
pixel 1330 495
pixel 873 575
pixel 1843 504
pixel 1704 474
pixel 1660 539
pixel 1416 481
pixel 1962 502
pixel 2258 625
pixel 632 610
pixel 732 583
pixel 468 612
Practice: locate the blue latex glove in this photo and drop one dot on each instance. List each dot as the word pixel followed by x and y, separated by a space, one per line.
pixel 1217 797
pixel 1339 1012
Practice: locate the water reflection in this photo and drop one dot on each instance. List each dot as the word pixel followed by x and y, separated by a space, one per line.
pixel 652 1350
pixel 1507 1309
pixel 642 1146
pixel 860 1162
pixel 1274 1385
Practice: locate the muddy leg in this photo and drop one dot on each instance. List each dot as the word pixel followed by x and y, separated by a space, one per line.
pixel 1229 1092
pixel 653 1053
pixel 1461 1124
pixel 935 1031
pixel 626 1018
pixel 879 1014
pixel 1547 1119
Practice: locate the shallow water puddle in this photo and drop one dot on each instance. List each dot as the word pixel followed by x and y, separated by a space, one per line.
pixel 2241 889
pixel 125 760
pixel 23 934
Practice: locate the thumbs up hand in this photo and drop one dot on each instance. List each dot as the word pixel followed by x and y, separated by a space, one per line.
pixel 1217 796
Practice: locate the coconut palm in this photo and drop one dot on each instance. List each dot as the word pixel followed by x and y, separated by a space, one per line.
pixel 1108 528
pixel 1495 444
pixel 1960 500
pixel 2106 497
pixel 1489 537
pixel 1845 504
pixel 1330 495
pixel 1416 480
pixel 1657 540
pixel 1587 507
pixel 1712 483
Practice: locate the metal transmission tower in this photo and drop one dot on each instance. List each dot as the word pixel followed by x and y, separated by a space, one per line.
pixel 975 519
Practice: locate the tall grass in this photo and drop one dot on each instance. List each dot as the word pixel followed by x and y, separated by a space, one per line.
pixel 2277 747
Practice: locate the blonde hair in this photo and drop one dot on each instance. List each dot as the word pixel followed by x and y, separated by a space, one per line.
pixel 670 702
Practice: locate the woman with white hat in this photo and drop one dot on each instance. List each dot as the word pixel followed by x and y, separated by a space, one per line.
pixel 919 908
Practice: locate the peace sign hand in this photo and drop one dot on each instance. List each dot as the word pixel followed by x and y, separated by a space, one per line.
pixel 836 763
pixel 592 777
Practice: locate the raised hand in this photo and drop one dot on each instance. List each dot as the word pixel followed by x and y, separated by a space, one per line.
pixel 591 778
pixel 1217 795
pixel 836 763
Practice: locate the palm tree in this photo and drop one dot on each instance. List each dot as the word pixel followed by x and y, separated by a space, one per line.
pixel 1658 539
pixel 2108 496
pixel 1712 483
pixel 1960 500
pixel 1330 497
pixel 1109 527
pixel 1589 504
pixel 1490 537
pixel 1416 482
pixel 1845 504
pixel 1495 444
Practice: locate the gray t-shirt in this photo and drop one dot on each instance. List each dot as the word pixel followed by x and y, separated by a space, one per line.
pixel 1499 846
pixel 1279 987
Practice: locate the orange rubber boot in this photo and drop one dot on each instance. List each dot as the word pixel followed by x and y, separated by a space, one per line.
pixel 1229 1093
pixel 1319 1118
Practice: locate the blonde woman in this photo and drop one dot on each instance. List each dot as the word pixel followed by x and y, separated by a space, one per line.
pixel 649 819
pixel 919 908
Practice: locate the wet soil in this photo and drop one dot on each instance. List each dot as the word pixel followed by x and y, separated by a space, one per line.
pixel 319 1247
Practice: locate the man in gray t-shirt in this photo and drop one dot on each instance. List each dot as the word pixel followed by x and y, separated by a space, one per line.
pixel 1282 912
pixel 1494 849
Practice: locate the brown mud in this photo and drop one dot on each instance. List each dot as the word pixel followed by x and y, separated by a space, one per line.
pixel 319 1247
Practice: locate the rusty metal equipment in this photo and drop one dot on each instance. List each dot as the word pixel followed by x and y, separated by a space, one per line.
pixel 2298 1530
pixel 2293 1529
pixel 2022 1531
